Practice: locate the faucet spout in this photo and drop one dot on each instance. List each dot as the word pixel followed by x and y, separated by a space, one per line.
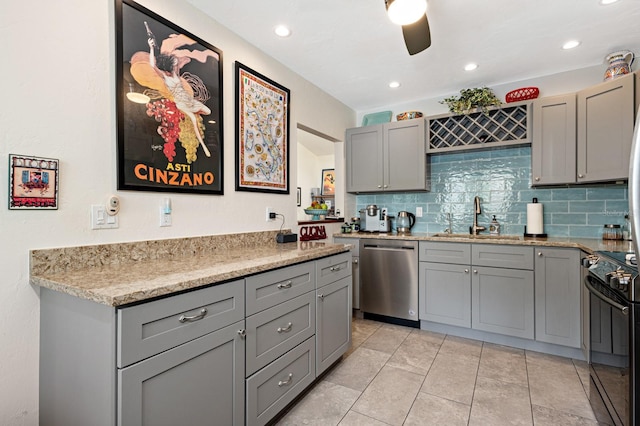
pixel 476 205
pixel 475 229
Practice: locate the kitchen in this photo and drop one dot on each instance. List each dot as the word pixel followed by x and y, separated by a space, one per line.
pixel 76 123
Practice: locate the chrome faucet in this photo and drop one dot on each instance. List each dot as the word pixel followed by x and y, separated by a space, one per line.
pixel 449 230
pixel 475 229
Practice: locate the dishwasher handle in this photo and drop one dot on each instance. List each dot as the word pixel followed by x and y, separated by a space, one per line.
pixel 387 248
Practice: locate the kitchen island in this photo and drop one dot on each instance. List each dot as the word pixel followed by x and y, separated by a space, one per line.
pixel 224 329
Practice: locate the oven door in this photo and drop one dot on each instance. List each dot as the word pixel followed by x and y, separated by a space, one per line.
pixel 610 385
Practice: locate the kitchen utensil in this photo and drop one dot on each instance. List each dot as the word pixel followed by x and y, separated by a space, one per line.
pixel 405 222
pixel 619 64
pixel 612 232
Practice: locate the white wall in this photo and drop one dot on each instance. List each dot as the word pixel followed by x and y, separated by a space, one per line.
pixel 59 102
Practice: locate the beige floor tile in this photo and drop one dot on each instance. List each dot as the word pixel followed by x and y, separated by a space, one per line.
pixel 428 336
pixel 498 403
pixel 430 410
pixel 582 367
pixel 387 338
pixel 326 404
pixel 543 416
pixel 415 354
pixel 452 376
pixel 390 396
pixel 503 363
pixel 356 419
pixel 460 345
pixel 554 383
pixel 359 369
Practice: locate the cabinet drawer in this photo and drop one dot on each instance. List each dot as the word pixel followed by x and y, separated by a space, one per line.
pixel 502 256
pixel 150 328
pixel 458 253
pixel 274 287
pixel 272 332
pixel 332 269
pixel 275 386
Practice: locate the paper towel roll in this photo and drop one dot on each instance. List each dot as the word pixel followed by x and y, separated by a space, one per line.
pixel 534 218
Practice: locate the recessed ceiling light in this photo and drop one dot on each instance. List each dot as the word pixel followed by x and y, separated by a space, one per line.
pixel 571 44
pixel 394 84
pixel 470 67
pixel 282 31
pixel 606 2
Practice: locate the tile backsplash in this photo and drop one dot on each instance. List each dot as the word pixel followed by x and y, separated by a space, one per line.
pixel 502 180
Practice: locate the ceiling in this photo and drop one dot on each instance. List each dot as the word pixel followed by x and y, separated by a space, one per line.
pixel 351 50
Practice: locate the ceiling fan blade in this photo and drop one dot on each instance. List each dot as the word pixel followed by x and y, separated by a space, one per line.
pixel 417 36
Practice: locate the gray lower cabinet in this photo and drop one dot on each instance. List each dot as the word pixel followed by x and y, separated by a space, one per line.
pixel 502 301
pixel 557 296
pixel 355 268
pixel 445 293
pixel 553 148
pixel 191 384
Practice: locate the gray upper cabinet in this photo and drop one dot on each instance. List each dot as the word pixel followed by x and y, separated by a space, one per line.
pixel 557 296
pixel 553 148
pixel 605 130
pixel 387 157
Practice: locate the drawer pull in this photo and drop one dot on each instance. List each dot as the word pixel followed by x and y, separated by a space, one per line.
pixel 285 285
pixel 243 333
pixel 335 268
pixel 287 381
pixel 284 329
pixel 201 315
pixel 321 296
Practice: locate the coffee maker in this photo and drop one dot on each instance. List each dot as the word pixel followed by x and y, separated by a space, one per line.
pixel 374 219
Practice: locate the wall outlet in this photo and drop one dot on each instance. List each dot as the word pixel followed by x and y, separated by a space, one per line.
pixel 270 210
pixel 165 218
pixel 418 211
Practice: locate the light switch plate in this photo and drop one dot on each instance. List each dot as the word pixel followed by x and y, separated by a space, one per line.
pixel 101 220
pixel 418 211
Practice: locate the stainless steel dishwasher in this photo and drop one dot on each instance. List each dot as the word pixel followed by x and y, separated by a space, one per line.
pixel 389 278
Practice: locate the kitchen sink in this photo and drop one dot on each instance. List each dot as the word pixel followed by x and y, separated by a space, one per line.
pixel 478 237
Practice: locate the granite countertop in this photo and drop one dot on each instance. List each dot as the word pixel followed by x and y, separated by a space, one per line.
pixel 588 245
pixel 132 272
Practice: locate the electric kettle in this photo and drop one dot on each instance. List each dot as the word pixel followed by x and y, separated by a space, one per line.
pixel 404 222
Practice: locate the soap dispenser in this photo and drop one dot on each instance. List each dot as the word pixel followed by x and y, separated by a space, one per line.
pixel 494 226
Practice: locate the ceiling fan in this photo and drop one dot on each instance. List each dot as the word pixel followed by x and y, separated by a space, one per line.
pixel 412 16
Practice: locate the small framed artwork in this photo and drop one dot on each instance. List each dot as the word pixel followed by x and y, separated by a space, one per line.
pixel 299 196
pixel 169 105
pixel 262 133
pixel 328 182
pixel 33 182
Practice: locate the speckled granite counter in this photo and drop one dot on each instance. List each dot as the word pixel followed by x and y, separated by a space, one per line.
pixel 119 274
pixel 589 245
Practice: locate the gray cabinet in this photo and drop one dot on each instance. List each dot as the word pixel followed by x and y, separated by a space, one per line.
pixel 445 293
pixel 557 296
pixel 355 268
pixel 605 130
pixel 585 313
pixel 193 383
pixel 553 148
pixel 387 157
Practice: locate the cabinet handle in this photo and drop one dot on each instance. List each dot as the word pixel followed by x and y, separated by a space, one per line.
pixel 580 175
pixel 355 261
pixel 475 271
pixel 539 254
pixel 386 186
pixel 285 285
pixel 201 315
pixel 537 178
pixel 335 268
pixel 466 271
pixel 321 296
pixel 286 381
pixel 284 329
pixel 379 186
pixel 243 333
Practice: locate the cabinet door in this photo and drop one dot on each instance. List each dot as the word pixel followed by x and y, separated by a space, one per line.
pixel 405 156
pixel 557 296
pixel 199 382
pixel 364 159
pixel 605 129
pixel 502 301
pixel 553 149
pixel 355 282
pixel 445 293
pixel 585 313
pixel 333 323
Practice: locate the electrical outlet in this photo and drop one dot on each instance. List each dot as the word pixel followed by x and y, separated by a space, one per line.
pixel 418 211
pixel 165 218
pixel 269 211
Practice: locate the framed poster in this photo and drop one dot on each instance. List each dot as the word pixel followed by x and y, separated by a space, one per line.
pixel 169 105
pixel 328 181
pixel 262 133
pixel 33 183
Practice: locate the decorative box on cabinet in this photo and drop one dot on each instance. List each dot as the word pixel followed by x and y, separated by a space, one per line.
pixel 509 124
pixel 605 129
pixel 553 149
pixel 387 157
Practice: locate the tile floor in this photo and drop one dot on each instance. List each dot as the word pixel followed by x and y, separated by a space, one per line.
pixel 396 375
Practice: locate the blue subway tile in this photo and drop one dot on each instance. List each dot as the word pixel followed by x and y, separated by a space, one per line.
pixel 568 218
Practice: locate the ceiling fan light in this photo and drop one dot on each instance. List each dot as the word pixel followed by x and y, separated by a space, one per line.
pixel 405 12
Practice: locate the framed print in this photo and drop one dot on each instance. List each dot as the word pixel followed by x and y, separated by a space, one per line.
pixel 33 182
pixel 299 196
pixel 328 182
pixel 262 133
pixel 169 105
